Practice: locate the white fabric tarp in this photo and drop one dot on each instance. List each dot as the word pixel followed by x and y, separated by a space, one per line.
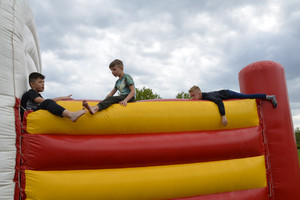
pixel 19 56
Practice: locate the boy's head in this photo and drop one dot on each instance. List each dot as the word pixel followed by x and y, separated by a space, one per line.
pixel 36 81
pixel 116 63
pixel 195 92
pixel 116 67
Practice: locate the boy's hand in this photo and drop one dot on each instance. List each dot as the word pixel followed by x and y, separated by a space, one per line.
pixel 67 97
pixel 63 98
pixel 224 120
pixel 123 103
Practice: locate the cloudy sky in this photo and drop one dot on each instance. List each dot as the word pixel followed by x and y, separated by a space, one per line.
pixel 166 45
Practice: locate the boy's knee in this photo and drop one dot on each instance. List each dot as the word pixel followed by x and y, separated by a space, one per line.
pixel 132 99
pixel 109 98
pixel 112 99
pixel 48 102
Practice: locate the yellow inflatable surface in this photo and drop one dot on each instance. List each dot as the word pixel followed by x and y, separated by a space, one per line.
pixel 149 183
pixel 147 117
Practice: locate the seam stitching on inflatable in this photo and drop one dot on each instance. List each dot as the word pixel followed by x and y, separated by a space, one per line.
pixel 267 156
pixel 13 46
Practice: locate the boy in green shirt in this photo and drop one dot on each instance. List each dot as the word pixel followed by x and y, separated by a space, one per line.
pixel 124 84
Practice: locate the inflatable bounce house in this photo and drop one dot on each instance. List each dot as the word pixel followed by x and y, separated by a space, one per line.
pixel 19 56
pixel 149 150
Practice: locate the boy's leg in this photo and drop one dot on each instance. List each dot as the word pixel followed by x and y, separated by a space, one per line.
pixel 58 110
pixel 52 107
pixel 105 103
pixel 236 95
pixel 73 116
pixel 109 101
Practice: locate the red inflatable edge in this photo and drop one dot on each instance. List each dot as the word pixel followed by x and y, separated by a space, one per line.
pixel 253 194
pixel 70 152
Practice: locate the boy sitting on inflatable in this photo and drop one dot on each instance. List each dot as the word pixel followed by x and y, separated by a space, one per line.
pixel 33 100
pixel 124 84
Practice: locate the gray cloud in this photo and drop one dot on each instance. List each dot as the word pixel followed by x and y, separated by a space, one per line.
pixel 166 45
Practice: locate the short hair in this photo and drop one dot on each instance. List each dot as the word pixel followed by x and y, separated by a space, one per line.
pixel 116 62
pixel 35 75
pixel 195 87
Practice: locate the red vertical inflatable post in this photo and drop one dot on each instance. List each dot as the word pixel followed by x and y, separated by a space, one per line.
pixel 269 77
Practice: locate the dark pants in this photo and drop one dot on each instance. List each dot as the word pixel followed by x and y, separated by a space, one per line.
pixel 51 106
pixel 112 100
pixel 236 95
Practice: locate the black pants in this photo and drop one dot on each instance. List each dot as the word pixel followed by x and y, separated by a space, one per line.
pixel 112 100
pixel 51 106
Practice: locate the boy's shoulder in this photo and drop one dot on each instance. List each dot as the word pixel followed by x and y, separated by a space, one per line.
pixel 30 94
pixel 127 75
pixel 128 79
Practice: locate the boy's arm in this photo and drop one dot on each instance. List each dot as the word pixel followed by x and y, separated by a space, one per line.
pixel 111 93
pixel 38 100
pixel 221 108
pixel 32 96
pixel 129 96
pixel 63 98
pixel 219 103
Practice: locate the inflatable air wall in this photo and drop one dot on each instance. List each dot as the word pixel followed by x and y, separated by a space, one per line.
pixel 19 56
pixel 147 150
pixel 167 149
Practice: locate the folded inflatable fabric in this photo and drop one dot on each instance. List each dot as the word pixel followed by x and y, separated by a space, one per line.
pixel 146 117
pixel 147 150
pixel 158 182
pixel 49 152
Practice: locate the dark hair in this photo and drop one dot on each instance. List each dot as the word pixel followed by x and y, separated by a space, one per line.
pixel 115 62
pixel 35 75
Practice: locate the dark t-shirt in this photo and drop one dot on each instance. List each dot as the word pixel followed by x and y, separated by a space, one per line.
pixel 217 97
pixel 27 101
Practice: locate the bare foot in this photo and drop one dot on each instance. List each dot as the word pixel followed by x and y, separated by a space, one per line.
pixel 91 110
pixel 75 115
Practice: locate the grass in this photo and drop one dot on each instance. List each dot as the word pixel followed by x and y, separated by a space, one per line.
pixel 299 154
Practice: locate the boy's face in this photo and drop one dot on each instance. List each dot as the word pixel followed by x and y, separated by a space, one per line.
pixel 196 94
pixel 38 85
pixel 117 70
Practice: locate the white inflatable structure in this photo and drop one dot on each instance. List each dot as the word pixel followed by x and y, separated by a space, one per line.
pixel 19 56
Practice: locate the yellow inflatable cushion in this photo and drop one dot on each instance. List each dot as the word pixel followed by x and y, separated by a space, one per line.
pixel 149 183
pixel 147 117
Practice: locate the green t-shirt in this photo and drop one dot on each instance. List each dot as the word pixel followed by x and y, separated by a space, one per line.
pixel 123 84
